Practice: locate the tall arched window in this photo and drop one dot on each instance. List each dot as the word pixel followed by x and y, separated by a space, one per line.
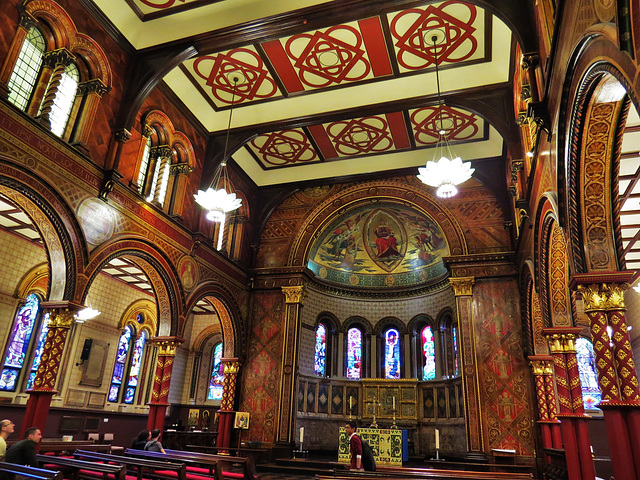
pixel 456 361
pixel 65 97
pixel 121 360
pixel 428 354
pixel 136 362
pixel 585 356
pixel 217 375
pixel 37 355
pixel 391 353
pixel 354 354
pixel 18 344
pixel 25 72
pixel 320 354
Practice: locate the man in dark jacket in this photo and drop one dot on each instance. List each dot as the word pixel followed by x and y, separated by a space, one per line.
pixel 24 451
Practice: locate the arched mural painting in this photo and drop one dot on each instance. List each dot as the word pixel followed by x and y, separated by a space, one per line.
pixel 381 245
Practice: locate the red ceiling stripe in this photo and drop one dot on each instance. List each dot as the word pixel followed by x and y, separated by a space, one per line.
pixel 398 130
pixel 283 66
pixel 323 141
pixel 376 48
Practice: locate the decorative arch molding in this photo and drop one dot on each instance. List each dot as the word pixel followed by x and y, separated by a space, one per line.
pixel 360 322
pixel 35 280
pixel 55 222
pixel 375 192
pixel 554 274
pixel 329 319
pixel 548 205
pixel 583 77
pixel 389 322
pixel 148 309
pixel 445 318
pixel 203 337
pixel 159 270
pixel 168 135
pixel 419 321
pixel 227 310
pixel 66 35
pixel 532 317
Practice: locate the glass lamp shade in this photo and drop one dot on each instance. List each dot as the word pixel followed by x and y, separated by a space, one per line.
pixel 445 174
pixel 86 314
pixel 218 202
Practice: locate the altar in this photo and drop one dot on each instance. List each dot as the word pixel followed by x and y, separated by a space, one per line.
pixel 389 446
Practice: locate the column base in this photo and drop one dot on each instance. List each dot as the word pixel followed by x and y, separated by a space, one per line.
pixel 622 421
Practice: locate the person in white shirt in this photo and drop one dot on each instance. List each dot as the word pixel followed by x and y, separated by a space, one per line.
pixel 6 429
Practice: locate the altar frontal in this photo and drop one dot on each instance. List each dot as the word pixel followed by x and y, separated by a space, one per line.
pixel 389 446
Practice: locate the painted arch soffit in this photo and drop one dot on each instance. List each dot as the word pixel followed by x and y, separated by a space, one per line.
pixel 378 236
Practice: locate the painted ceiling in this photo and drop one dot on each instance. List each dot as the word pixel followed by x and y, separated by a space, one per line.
pixel 358 93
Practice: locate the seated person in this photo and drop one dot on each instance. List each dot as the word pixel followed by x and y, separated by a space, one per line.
pixel 24 451
pixel 154 444
pixel 141 440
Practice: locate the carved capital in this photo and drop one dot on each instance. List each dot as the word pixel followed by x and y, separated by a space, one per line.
pixel 530 60
pixel 293 294
pixel 167 345
pixel 462 286
pixel 161 151
pixel 61 56
pixel 146 131
pixel 538 367
pixel 122 135
pixel 180 169
pixel 61 319
pixel 93 86
pixel 523 118
pixel 525 93
pixel 231 366
pixel 615 296
pixel 593 297
pixel 27 21
pixel 555 343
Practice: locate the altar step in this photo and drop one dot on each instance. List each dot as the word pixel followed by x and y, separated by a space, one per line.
pixel 302 466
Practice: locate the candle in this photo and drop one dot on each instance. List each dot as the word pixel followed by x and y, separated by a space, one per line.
pixel 350 402
pixel 394 403
pixel 301 434
pixel 437 439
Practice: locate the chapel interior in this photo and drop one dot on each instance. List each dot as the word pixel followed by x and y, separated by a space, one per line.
pixel 215 206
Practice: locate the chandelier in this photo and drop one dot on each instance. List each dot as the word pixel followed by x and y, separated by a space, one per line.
pixel 222 201
pixel 449 171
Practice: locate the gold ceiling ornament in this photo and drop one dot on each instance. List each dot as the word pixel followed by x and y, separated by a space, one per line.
pixel 446 170
pixel 222 201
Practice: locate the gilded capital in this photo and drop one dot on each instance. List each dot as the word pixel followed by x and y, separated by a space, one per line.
pixel 615 295
pixel 569 343
pixel 168 348
pixel 593 297
pixel 293 294
pixel 161 151
pixel 555 343
pixel 538 367
pixel 180 169
pixel 231 368
pixel 462 285
pixel 61 319
pixel 61 56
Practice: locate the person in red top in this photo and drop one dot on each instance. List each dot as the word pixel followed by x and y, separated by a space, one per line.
pixel 355 445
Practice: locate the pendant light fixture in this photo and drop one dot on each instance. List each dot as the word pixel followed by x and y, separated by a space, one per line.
pixel 449 171
pixel 221 201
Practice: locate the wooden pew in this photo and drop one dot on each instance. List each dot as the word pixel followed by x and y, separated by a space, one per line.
pixel 197 469
pixel 434 474
pixel 248 465
pixel 32 473
pixel 480 466
pixel 58 447
pixel 141 467
pixel 80 469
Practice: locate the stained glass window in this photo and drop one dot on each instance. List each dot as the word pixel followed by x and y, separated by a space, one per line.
pixel 585 356
pixel 19 343
pixel 25 73
pixel 119 367
pixel 321 350
pixel 37 356
pixel 456 365
pixel 391 354
pixel 429 352
pixel 136 361
pixel 217 375
pixel 354 353
pixel 144 166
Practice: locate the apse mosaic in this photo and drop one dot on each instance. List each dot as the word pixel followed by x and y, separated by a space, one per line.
pixel 381 245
